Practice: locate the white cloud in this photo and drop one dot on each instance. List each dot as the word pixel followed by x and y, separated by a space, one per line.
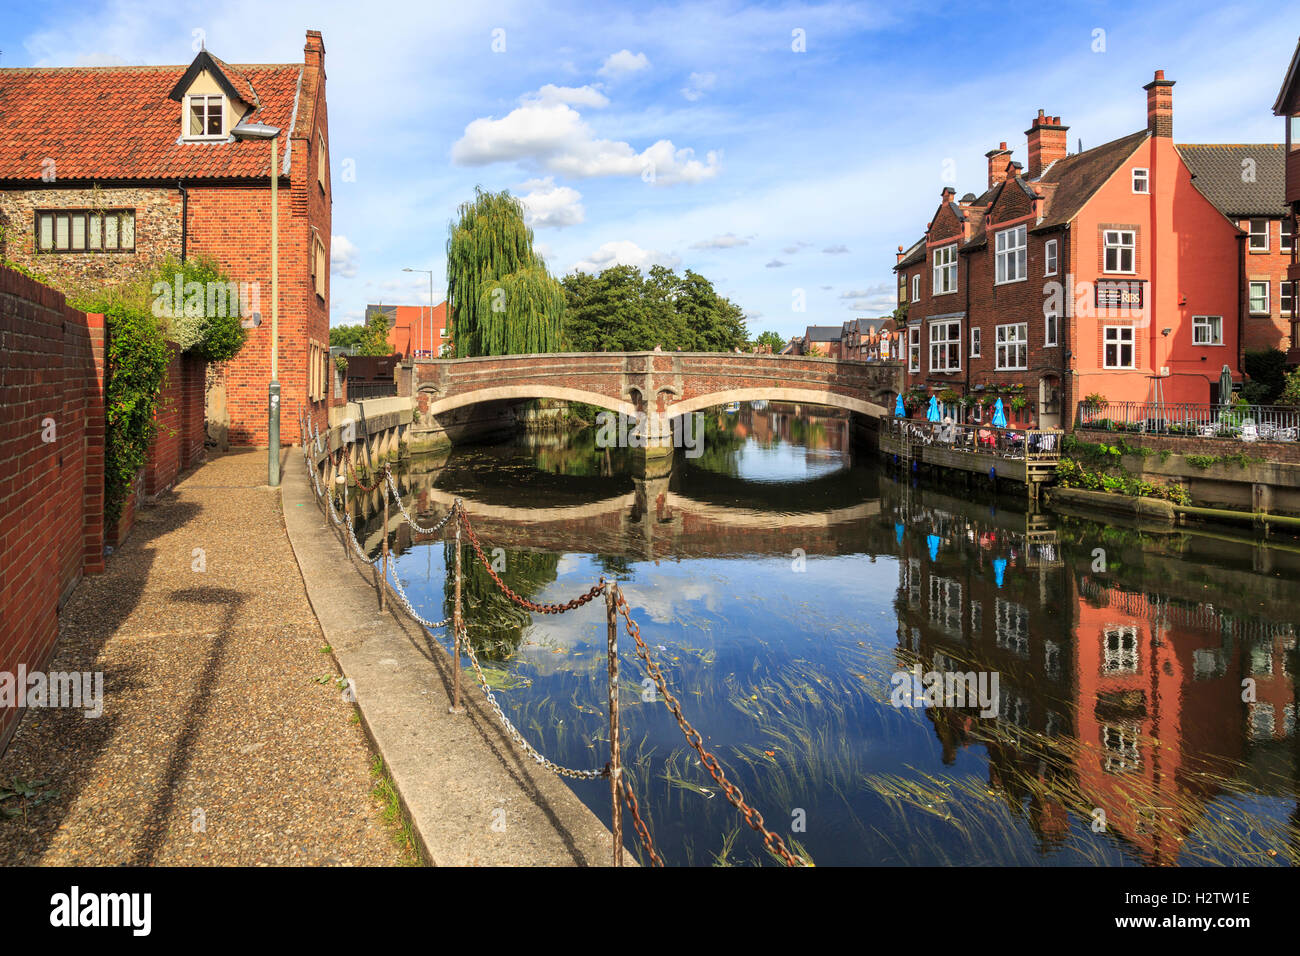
pixel 624 61
pixel 550 206
pixel 551 94
pixel 727 240
pixel 344 257
pixel 776 264
pixel 836 250
pixel 624 252
pixel 547 131
pixel 698 83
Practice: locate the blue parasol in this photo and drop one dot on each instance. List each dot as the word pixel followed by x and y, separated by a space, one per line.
pixel 898 532
pixel 899 412
pixel 999 568
pixel 999 415
pixel 933 413
pixel 933 541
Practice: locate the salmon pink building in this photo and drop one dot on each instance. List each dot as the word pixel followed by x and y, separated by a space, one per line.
pixel 1108 272
pixel 416 331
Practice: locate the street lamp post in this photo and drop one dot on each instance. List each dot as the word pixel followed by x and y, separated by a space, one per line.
pixel 262 131
pixel 428 272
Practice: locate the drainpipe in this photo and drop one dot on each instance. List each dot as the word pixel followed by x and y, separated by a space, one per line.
pixel 970 324
pixel 1063 334
pixel 1242 290
pixel 185 214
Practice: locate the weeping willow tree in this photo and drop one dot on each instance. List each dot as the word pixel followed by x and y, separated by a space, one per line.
pixel 501 298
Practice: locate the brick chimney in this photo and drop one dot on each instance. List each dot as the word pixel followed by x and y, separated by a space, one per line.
pixel 1160 106
pixel 998 159
pixel 899 256
pixel 1046 143
pixel 313 52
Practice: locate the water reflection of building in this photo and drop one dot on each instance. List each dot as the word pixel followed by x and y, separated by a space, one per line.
pixel 1112 696
pixel 817 428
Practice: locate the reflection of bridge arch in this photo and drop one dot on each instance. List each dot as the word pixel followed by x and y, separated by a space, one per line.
pixel 497 393
pixel 800 396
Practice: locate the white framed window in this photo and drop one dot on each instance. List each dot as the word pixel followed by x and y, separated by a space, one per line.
pixel 1119 744
pixel 206 117
pixel 1010 252
pixel 1284 237
pixel 1141 180
pixel 1049 258
pixel 1118 347
pixel 1120 650
pixel 945 270
pixel 1013 346
pixel 1207 330
pixel 946 604
pixel 1121 250
pixel 322 163
pixel 975 335
pixel 318 267
pixel 1259 235
pixel 1259 304
pixel 1011 627
pixel 914 349
pixel 916 287
pixel 945 346
pixel 1051 329
pixel 1284 298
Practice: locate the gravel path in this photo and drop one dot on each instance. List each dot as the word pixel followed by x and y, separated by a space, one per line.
pixel 223 739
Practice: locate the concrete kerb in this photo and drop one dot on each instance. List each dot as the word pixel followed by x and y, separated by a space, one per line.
pixel 473 798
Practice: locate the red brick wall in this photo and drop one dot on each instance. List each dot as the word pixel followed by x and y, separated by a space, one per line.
pixel 178 443
pixel 51 492
pixel 1272 331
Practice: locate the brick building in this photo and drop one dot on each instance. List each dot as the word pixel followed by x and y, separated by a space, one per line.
pixel 104 171
pixel 1109 271
pixel 416 330
pixel 1287 105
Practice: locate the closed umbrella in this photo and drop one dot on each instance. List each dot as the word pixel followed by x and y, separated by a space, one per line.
pixel 999 415
pixel 898 406
pixel 1225 386
pixel 933 413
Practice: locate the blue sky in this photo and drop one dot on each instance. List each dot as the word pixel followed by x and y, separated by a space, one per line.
pixel 695 135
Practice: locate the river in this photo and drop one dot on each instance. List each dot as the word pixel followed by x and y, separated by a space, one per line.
pixel 800 594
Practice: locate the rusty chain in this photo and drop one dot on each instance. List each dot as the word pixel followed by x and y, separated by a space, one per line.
pixel 347 455
pixel 642 832
pixel 579 601
pixel 755 819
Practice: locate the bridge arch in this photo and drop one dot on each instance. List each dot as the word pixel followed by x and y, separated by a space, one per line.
pixel 806 396
pixel 529 391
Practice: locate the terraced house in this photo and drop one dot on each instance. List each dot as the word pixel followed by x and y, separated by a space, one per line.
pixel 104 171
pixel 1287 106
pixel 1125 271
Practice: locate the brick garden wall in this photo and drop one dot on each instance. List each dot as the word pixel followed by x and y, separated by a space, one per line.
pixel 51 491
pixel 178 445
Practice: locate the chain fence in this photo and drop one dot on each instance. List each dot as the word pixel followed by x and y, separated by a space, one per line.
pixel 617 606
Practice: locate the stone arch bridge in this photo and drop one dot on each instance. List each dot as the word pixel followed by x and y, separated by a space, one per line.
pixel 460 396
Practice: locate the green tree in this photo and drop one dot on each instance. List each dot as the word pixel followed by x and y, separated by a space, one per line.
pixel 772 340
pixel 500 298
pixel 374 335
pixel 346 336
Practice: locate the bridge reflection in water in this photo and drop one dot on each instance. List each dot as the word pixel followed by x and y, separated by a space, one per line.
pixel 1121 735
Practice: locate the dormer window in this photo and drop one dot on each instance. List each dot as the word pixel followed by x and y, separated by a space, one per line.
pixel 206 117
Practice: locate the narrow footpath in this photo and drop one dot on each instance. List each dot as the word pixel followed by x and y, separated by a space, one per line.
pixel 224 738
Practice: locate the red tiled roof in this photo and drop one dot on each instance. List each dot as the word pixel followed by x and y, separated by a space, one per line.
pixel 117 123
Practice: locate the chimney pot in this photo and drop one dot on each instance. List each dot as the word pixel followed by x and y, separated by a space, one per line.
pixel 1047 142
pixel 1160 106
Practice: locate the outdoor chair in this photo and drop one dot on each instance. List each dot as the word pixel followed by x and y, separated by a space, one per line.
pixel 1249 432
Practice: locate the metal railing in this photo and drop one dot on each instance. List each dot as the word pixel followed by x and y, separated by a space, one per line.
pixel 616 606
pixel 1194 420
pixel 359 391
pixel 1024 444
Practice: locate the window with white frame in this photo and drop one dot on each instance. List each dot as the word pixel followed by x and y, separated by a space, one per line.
pixel 1121 249
pixel 1207 330
pixel 1284 238
pixel 1259 298
pixel 916 287
pixel 945 604
pixel 1013 346
pixel 1049 258
pixel 1259 235
pixel 1119 744
pixel 945 270
pixel 1051 329
pixel 945 346
pixel 1141 181
pixel 1119 649
pixel 1286 291
pixel 1010 249
pixel 1011 627
pixel 1117 349
pixel 975 343
pixel 914 349
pixel 206 117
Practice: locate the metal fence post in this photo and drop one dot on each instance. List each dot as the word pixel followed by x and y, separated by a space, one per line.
pixel 615 751
pixel 383 582
pixel 455 707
